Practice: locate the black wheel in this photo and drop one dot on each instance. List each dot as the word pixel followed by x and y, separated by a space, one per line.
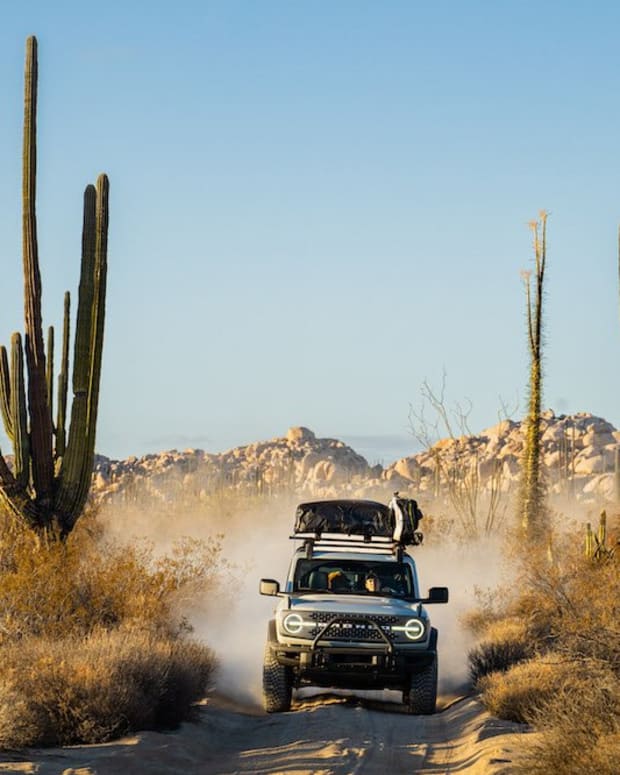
pixel 421 696
pixel 277 684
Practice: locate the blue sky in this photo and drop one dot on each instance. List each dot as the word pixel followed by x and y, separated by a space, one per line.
pixel 317 205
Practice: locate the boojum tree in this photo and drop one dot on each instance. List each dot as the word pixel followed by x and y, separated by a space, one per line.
pixel 47 486
pixel 532 496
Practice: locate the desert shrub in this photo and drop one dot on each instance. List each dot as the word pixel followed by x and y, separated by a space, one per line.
pixel 570 690
pixel 580 727
pixel 490 607
pixel 518 693
pixel 506 643
pixel 54 589
pixel 95 688
pixel 93 639
pixel 587 612
pixel 571 607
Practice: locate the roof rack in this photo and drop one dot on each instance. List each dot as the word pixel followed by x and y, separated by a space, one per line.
pixel 358 543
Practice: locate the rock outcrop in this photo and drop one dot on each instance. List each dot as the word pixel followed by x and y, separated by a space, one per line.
pixel 580 454
pixel 298 461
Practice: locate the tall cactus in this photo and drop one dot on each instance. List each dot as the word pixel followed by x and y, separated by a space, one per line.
pixel 49 482
pixel 532 500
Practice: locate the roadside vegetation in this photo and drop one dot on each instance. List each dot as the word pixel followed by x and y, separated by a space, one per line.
pixel 549 656
pixel 92 638
pixel 549 645
pixel 93 641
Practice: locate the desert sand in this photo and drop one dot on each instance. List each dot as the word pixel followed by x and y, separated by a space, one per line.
pixel 325 735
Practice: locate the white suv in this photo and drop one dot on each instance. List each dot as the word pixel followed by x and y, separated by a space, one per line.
pixel 351 617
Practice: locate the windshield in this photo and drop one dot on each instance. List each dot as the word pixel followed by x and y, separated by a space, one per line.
pixel 357 577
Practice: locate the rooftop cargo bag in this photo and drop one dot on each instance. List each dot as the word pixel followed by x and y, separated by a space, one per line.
pixel 347 517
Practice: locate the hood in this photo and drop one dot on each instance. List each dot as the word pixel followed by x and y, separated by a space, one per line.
pixel 354 604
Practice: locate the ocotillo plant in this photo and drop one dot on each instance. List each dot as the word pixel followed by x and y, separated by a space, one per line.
pixel 532 500
pixel 48 485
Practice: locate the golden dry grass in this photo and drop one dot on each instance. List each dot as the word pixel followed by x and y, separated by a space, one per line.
pixel 567 614
pixel 580 727
pixel 506 642
pixel 519 692
pixel 93 641
pixel 92 689
pixel 54 589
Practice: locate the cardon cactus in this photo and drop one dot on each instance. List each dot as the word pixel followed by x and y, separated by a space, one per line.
pixel 48 484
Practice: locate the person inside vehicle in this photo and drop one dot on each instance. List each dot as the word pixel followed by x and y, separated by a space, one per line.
pixel 372 583
pixel 337 581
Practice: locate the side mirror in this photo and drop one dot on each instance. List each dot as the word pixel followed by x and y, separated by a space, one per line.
pixel 269 587
pixel 437 595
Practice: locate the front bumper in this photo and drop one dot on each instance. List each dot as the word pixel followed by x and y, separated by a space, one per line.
pixel 351 665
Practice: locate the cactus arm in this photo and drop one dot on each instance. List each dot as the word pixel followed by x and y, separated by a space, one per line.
pixel 99 296
pixel 63 381
pixel 5 393
pixel 19 413
pixel 15 498
pixel 40 422
pixel 97 336
pixel 13 488
pixel 81 358
pixel 99 267
pixel 49 373
pixel 67 496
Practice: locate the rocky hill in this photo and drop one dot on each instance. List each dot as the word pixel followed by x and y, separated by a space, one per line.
pixel 580 453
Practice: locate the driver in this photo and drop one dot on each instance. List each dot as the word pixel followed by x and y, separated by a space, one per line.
pixel 337 581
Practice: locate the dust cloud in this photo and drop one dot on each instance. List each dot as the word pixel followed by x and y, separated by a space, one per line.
pixel 464 568
pixel 258 546
pixel 232 619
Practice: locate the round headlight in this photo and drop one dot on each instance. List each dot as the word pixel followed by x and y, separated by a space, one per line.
pixel 414 629
pixel 293 624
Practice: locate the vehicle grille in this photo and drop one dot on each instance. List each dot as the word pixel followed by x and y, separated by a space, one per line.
pixel 352 627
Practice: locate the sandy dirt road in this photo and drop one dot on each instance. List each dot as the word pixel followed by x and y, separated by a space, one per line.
pixel 321 736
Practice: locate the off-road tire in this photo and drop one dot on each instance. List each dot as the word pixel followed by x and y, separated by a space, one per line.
pixel 277 684
pixel 421 696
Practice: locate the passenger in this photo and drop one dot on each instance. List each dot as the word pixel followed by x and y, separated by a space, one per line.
pixel 372 583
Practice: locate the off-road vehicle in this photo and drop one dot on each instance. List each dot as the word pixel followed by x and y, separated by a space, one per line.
pixel 351 615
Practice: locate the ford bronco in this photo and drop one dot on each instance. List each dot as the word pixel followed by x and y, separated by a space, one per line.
pixel 351 615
